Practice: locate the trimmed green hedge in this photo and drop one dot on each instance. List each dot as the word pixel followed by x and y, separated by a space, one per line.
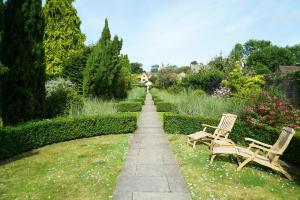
pixel 185 124
pixel 22 138
pixel 129 107
pixel 140 100
pixel 166 107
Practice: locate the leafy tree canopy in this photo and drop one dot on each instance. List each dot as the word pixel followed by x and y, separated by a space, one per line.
pixel 154 68
pixel 136 68
pixel 271 57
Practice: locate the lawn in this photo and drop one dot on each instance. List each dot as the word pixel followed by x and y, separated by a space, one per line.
pixel 79 169
pixel 221 180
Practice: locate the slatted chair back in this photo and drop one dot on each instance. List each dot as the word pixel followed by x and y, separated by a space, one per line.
pixel 282 142
pixel 226 124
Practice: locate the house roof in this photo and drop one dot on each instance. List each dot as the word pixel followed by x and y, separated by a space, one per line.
pixel 288 69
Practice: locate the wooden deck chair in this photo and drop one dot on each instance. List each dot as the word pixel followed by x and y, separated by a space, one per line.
pixel 221 131
pixel 258 152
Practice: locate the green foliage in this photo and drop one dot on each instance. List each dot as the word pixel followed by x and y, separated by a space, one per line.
pixel 136 68
pixel 223 64
pixel 154 68
pixel 22 138
pixel 260 68
pixel 165 107
pixel 252 46
pixel 207 80
pixel 74 67
pixel 61 98
pixel 194 102
pixel 62 37
pixel 153 79
pixel 23 86
pixel 129 107
pixel 237 52
pixel 296 52
pixel 122 82
pixel 166 77
pixel 185 124
pixel 1 21
pixel 271 57
pixel 95 107
pixel 103 66
pixel 136 93
pixel 243 86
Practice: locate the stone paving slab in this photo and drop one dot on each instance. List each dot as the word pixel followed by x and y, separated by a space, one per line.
pixel 160 196
pixel 150 170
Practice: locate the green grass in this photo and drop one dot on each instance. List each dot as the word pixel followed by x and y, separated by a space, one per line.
pixel 221 180
pixel 193 103
pixel 79 169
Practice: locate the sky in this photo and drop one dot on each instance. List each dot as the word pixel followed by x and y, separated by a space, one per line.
pixel 178 32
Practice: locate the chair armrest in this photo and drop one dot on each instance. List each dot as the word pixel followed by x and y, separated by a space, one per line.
pixel 209 126
pixel 258 142
pixel 214 127
pixel 264 149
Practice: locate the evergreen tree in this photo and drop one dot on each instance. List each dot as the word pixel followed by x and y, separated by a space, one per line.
pixel 23 87
pixel 102 66
pixel 62 36
pixel 123 80
pixel 75 65
pixel 1 19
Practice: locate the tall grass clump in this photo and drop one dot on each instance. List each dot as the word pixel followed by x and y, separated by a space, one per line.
pixel 95 107
pixel 136 93
pixel 196 103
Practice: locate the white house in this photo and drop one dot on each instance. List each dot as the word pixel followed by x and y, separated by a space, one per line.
pixel 145 77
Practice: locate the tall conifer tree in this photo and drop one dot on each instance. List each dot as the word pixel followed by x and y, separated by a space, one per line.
pixel 102 66
pixel 63 36
pixel 23 87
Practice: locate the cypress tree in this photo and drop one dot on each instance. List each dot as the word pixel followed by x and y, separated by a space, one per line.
pixel 63 36
pixel 102 66
pixel 123 79
pixel 23 87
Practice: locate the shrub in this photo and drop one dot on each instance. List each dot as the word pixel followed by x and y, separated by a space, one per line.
pixel 165 107
pixel 207 80
pixel 185 124
pixel 267 110
pixel 32 135
pixel 140 100
pixel 243 86
pixel 61 97
pixel 129 107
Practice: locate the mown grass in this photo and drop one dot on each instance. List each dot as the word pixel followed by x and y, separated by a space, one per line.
pixel 80 169
pixel 195 103
pixel 221 180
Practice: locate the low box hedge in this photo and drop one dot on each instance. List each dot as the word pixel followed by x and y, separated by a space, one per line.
pixel 25 137
pixel 140 100
pixel 185 124
pixel 129 106
pixel 166 107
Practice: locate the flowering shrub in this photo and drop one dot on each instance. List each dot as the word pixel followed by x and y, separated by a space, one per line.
pixel 222 92
pixel 273 111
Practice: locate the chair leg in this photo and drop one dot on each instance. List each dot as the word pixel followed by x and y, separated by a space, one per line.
pixel 285 173
pixel 194 144
pixel 240 167
pixel 212 158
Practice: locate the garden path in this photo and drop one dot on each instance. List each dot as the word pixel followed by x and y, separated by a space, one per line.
pixel 150 170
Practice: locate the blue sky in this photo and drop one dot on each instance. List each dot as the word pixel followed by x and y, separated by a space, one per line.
pixel 177 31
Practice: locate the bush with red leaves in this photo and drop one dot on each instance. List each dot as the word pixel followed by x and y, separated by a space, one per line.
pixel 272 111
